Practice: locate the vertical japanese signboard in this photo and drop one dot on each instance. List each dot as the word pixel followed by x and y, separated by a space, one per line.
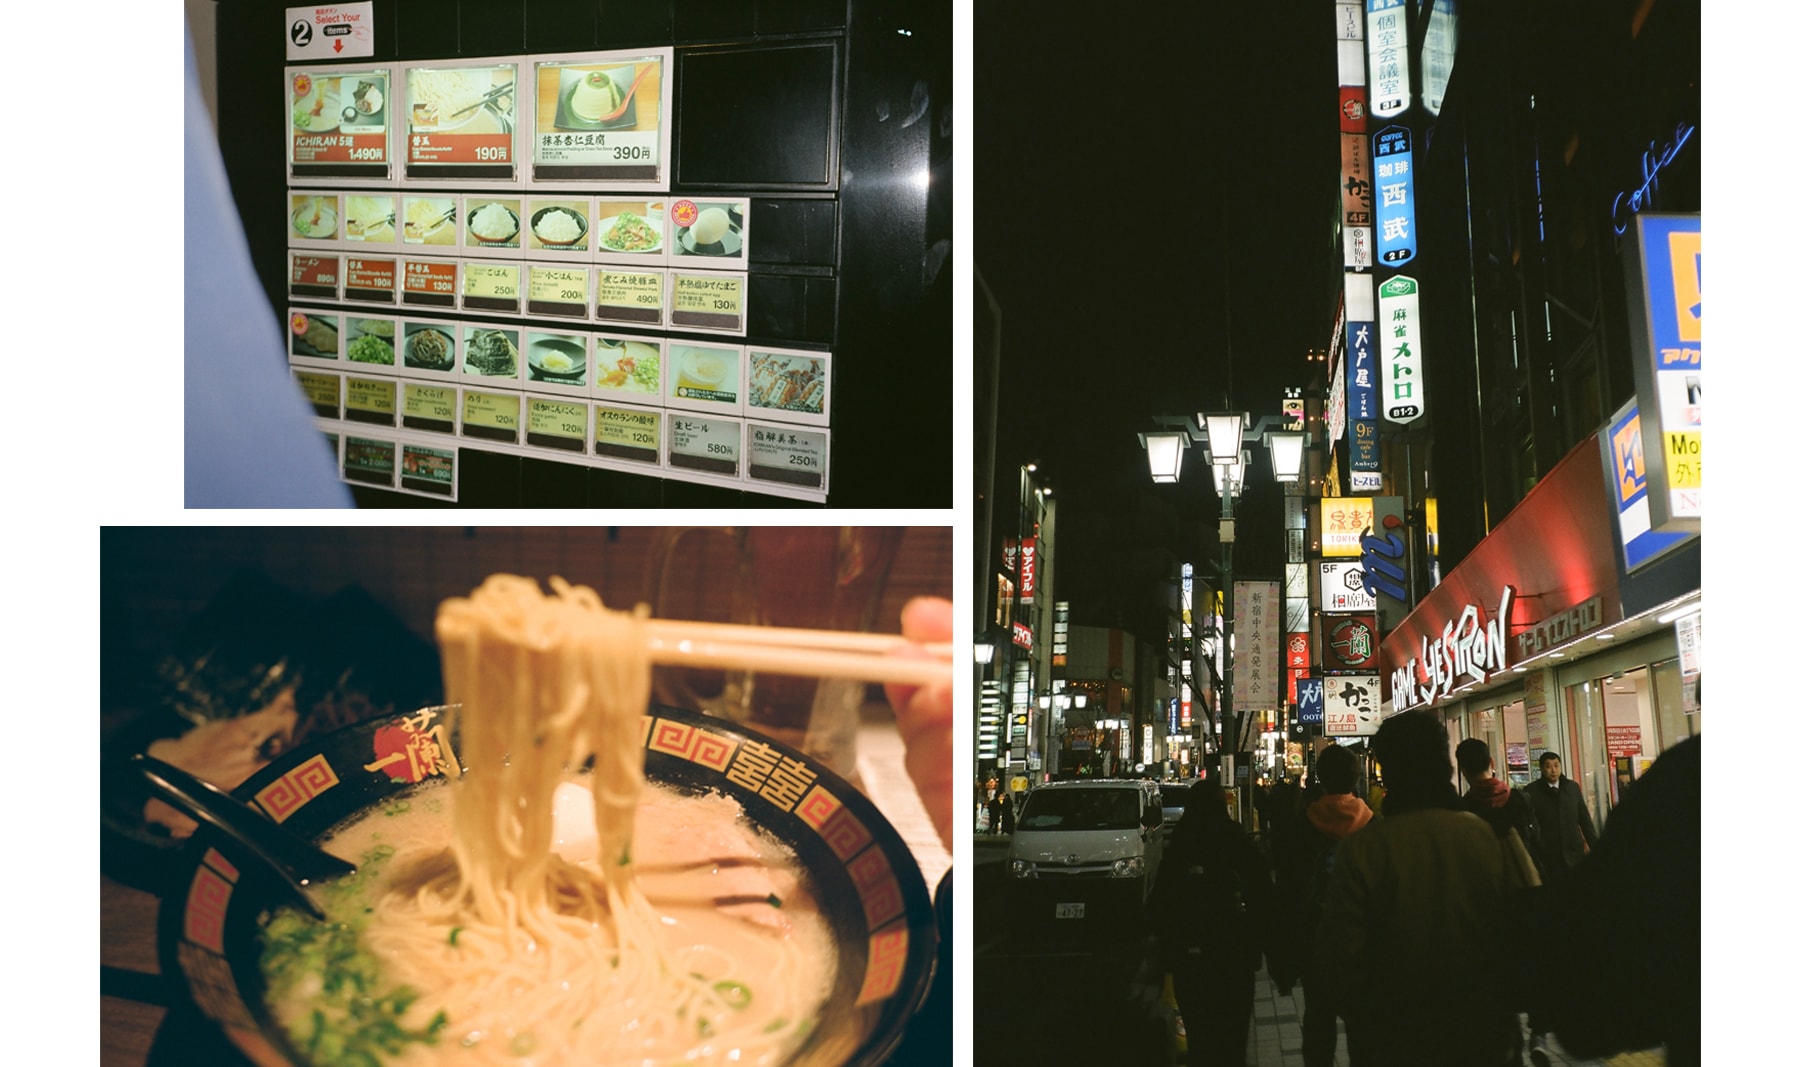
pixel 1352 704
pixel 1394 241
pixel 1256 660
pixel 1402 364
pixel 1362 418
pixel 1390 65
pixel 1663 295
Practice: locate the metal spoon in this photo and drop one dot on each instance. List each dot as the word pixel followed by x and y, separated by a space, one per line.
pixel 294 861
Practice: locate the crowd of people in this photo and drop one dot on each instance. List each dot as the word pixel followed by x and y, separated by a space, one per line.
pixel 1433 921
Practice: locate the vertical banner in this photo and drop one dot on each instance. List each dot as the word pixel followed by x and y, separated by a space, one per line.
pixel 1360 385
pixel 1390 61
pixel 1311 703
pixel 1402 364
pixel 1027 569
pixel 1663 295
pixel 1395 244
pixel 1256 662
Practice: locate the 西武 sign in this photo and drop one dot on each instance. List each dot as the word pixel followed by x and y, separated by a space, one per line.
pixel 1352 704
pixel 1402 363
pixel 1663 296
pixel 331 31
pixel 1394 240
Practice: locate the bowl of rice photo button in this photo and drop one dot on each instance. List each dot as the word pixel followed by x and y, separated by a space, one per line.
pixel 773 915
pixel 493 224
pixel 558 226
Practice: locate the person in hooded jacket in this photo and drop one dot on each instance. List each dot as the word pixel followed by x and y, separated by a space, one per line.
pixel 1414 917
pixel 1209 906
pixel 1498 804
pixel 1304 856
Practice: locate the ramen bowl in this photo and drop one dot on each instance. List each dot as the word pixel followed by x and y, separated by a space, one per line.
pixel 868 888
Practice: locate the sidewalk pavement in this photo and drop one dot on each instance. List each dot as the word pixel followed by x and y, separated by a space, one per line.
pixel 1275 1035
pixel 1275 1032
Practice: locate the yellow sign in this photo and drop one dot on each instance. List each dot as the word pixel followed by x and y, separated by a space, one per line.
pixel 559 285
pixel 558 418
pixel 497 280
pixel 499 410
pixel 631 289
pixel 1681 455
pixel 1684 273
pixel 371 395
pixel 319 388
pixel 1342 520
pixel 429 402
pixel 622 426
pixel 709 293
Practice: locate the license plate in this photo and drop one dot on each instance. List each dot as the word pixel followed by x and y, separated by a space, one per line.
pixel 1071 911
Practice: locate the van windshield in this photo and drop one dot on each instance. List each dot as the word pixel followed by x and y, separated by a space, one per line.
pixel 1080 809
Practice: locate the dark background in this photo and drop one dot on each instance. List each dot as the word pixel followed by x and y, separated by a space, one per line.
pixel 1156 192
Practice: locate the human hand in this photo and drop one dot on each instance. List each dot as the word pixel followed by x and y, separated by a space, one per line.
pixel 924 714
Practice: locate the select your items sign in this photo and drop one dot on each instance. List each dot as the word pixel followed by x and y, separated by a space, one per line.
pixel 335 31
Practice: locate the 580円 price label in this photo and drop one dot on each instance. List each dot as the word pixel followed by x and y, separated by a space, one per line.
pixel 705 444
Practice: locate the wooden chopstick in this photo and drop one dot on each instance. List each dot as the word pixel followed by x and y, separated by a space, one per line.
pixel 783 650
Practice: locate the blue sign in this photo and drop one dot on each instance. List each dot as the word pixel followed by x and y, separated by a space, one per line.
pixel 1360 411
pixel 1310 694
pixel 1394 240
pixel 1629 484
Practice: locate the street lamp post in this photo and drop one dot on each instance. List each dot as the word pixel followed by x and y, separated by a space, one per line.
pixel 1225 433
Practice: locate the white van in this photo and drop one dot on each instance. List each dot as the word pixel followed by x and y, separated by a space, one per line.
pixel 1086 843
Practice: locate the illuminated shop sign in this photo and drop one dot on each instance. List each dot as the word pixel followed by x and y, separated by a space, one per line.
pixel 1360 385
pixel 1467 651
pixel 1402 363
pixel 1394 240
pixel 1657 156
pixel 1663 291
pixel 1390 71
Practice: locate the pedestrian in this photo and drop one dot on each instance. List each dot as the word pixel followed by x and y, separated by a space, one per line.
pixel 1304 856
pixel 1562 816
pixel 1498 804
pixel 1412 923
pixel 1006 811
pixel 1209 907
pixel 993 806
pixel 1638 893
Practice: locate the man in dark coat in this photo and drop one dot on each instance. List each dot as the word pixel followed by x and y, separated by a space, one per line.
pixel 1498 804
pixel 1562 816
pixel 1210 907
pixel 1638 894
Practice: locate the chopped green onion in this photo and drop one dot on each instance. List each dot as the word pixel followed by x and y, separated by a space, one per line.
pixel 736 995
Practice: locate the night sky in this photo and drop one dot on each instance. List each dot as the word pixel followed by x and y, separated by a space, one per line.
pixel 1155 186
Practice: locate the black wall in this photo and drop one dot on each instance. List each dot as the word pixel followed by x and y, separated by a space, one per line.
pixel 852 243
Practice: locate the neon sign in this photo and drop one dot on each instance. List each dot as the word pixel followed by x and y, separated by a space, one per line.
pixel 1467 648
pixel 1654 162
